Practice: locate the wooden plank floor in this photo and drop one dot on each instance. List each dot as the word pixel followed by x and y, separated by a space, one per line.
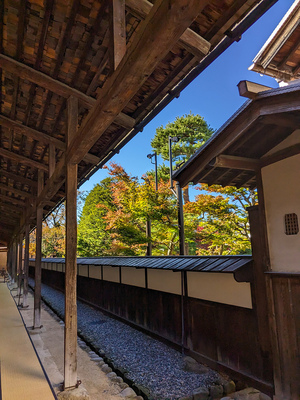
pixel 21 374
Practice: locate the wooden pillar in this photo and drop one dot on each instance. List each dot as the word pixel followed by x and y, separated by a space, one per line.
pixel 148 234
pixel 15 261
pixel 259 288
pixel 38 257
pixel 52 160
pixel 70 360
pixel 8 263
pixel 26 266
pixel 20 259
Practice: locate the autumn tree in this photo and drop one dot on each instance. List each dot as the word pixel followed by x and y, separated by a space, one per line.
pixel 221 219
pixel 133 202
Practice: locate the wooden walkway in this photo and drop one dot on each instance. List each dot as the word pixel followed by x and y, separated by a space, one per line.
pixel 21 374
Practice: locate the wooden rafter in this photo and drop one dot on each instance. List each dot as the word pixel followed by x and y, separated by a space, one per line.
pixel 15 191
pixel 193 42
pixel 10 199
pixel 32 133
pixel 22 159
pixel 140 60
pixel 55 86
pixel 117 24
pixel 234 162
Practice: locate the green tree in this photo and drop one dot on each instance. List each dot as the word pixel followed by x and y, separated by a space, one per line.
pixel 93 239
pixel 192 131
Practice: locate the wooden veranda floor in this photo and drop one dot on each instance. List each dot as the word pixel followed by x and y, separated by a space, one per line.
pixel 21 374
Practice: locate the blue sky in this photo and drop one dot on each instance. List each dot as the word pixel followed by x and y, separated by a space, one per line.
pixel 213 95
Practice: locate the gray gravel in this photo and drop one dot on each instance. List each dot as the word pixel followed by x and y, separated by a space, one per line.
pixel 147 361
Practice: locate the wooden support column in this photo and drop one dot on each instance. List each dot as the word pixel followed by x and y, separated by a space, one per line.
pixel 38 257
pixel 118 32
pixel 70 360
pixel 20 259
pixel 26 266
pixel 148 234
pixel 15 261
pixel 259 288
pixel 52 160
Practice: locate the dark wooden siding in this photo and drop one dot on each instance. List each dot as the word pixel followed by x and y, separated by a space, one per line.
pixel 223 336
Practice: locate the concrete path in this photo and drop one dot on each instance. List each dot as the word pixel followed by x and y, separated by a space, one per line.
pixel 49 343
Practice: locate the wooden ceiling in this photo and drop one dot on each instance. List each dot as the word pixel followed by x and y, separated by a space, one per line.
pixel 237 151
pixel 280 56
pixel 118 58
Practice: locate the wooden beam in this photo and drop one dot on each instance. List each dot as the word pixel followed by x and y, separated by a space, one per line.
pixel 280 155
pixel 20 203
pixel 285 121
pixel 164 25
pixel 15 191
pixel 55 86
pixel 32 133
pixel 70 350
pixel 251 89
pixel 22 159
pixel 233 162
pixel 18 178
pixel 117 22
pixel 47 139
pixel 91 159
pixel 190 40
pixel 9 208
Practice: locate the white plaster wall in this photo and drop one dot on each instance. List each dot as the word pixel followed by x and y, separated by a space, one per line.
pixel 83 270
pixel 281 182
pixel 220 288
pixel 95 271
pixel 165 281
pixel 59 267
pixel 3 259
pixel 111 274
pixel 133 276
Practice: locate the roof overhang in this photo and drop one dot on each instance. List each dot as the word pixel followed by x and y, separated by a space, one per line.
pixel 280 55
pixel 235 153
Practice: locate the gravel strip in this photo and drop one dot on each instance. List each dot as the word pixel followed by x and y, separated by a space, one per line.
pixel 147 361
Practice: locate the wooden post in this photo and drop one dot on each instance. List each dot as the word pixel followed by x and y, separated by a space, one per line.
pixel 70 360
pixel 15 261
pixel 26 266
pixel 52 160
pixel 38 257
pixel 20 269
pixel 148 234
pixel 259 288
pixel 180 220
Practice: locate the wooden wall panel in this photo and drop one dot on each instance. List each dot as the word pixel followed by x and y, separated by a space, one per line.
pixel 226 336
pixel 286 297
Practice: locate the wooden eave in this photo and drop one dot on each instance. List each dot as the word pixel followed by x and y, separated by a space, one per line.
pixel 239 148
pixel 107 57
pixel 280 56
